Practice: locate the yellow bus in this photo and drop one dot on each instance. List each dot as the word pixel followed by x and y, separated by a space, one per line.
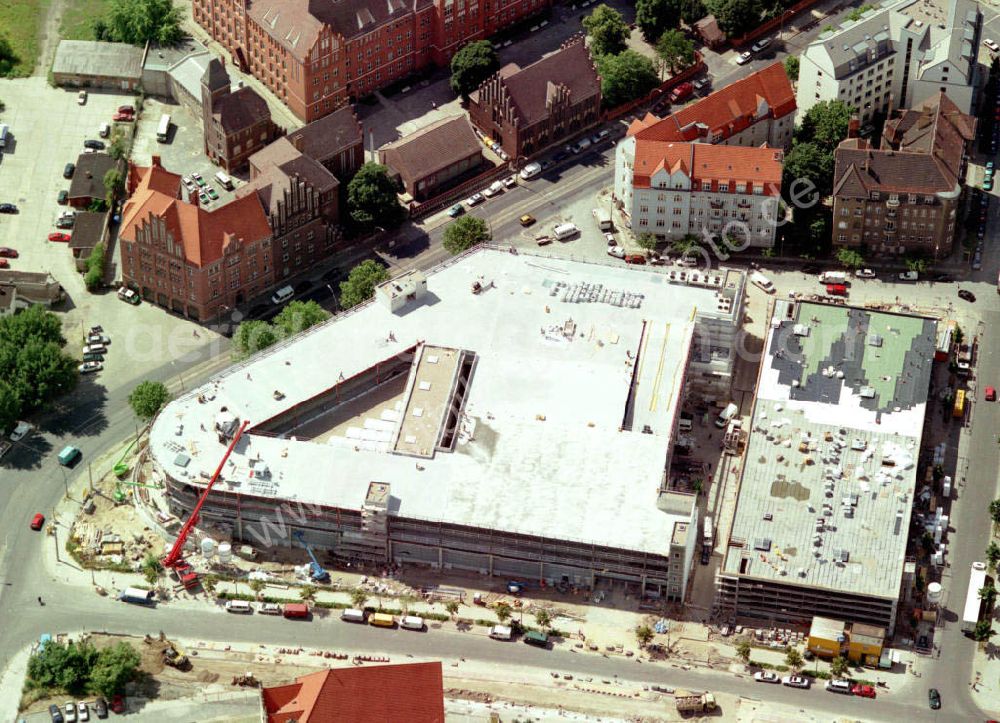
pixel 959 411
pixel 382 620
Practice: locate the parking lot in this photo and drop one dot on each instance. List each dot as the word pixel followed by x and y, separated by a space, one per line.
pixel 184 151
pixel 48 129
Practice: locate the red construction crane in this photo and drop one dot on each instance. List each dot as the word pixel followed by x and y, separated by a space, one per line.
pixel 174 559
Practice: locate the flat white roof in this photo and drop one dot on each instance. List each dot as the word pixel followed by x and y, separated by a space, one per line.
pixel 831 459
pixel 541 450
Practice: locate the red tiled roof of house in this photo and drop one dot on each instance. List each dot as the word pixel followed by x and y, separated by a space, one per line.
pixel 204 235
pixel 727 111
pixel 382 694
pixel 705 162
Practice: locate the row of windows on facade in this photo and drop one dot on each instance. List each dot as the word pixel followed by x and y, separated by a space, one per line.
pixel 362 82
pixel 661 223
pixel 716 212
pixel 908 238
pixel 877 210
pixel 721 187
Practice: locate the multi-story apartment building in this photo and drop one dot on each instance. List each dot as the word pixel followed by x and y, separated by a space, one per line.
pixel 186 259
pixel 752 111
pixel 896 55
pixel 317 56
pixel 676 189
pixel 904 197
pixel 235 124
pixel 526 109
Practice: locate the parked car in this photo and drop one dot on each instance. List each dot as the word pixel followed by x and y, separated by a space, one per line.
pixel 990 394
pixel 637 259
pixel 991 44
pixel 117 704
pixel 20 431
pixel 510 181
pixel 37 521
pixel 123 117
pixel 474 199
pixel 68 170
pixel 4 264
pixel 795 681
pixel 530 171
pixel 198 179
pixel 681 93
pixel 82 713
pixel 127 109
pixel 213 194
pixel 127 295
pixel 95 349
pixel 69 711
pixel 93 356
pixel 865 273
pixel 98 338
pixel 63 197
pixel 760 45
pixel 56 714
pixel 495 188
pixel 706 555
pixel 101 708
pixel 456 210
pixel 203 197
pixel 617 251
pixel 701 84
pixel 610 238
pixel 95 144
pixel 966 295
pixel 188 183
pixel 8 208
pixel 744 58
pixel 766 676
pixel 81 97
pixel 908 275
pixel 863 691
pixel 8 253
pixel 526 220
pixel 934 699
pixel 839 686
pixel 59 237
pixel 977 261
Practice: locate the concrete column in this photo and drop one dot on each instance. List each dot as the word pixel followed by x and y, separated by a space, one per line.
pixel 491 564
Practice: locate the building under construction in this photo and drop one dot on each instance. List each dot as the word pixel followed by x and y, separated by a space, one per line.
pixel 507 414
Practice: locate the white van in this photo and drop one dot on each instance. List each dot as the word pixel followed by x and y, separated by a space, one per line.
pixel 282 295
pixel 686 422
pixel 501 632
pixel 833 277
pixel 758 279
pixel 582 145
pixel 565 231
pixel 353 615
pixel 411 622
pixel 603 217
pixel 224 180
pixel 238 606
pixel 4 133
pixel 531 170
pixel 728 413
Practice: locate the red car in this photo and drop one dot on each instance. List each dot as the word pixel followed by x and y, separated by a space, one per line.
pixel 991 394
pixel 117 704
pixel 865 691
pixel 123 117
pixel 836 289
pixel 127 109
pixel 37 521
pixel 681 92
pixel 638 259
pixel 4 264
pixel 7 252
pixel 62 237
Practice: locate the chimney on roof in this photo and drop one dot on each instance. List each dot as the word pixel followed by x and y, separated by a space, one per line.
pixel 156 162
pixel 854 127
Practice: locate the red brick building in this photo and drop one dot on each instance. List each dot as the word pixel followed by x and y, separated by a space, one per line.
pixel 189 260
pixel 527 109
pixel 316 56
pixel 236 124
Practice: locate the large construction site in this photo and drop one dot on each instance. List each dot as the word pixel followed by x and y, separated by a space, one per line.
pixel 506 414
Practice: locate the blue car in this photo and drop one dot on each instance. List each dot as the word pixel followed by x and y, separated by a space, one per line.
pixel 456 210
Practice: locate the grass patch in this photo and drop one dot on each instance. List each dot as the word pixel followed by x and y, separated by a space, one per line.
pixel 20 21
pixel 79 16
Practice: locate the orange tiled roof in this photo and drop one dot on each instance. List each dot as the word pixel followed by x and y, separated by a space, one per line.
pixel 726 111
pixel 204 235
pixel 704 162
pixel 413 693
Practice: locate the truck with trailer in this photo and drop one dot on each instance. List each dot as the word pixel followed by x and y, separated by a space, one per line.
pixel 973 603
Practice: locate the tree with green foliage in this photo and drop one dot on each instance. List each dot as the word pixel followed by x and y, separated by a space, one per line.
pixel 646 240
pixel 995 511
pixel 137 22
pixel 625 77
pixel 118 148
pixel 34 370
pixel 471 65
pixel 983 631
pixel 812 163
pixel 307 593
pixel 743 650
pixel 257 586
pixel 988 594
pixel 93 279
pixel 686 244
pixel 643 635
pixel 298 316
pixel 451 607
pixel 825 124
pixel 849 258
pixel 115 666
pixel 361 283
pixel 856 13
pixel 674 51
pixel 792 68
pixel 993 555
pixel 465 233
pixel 8 58
pixel 252 336
pixel 503 612
pixel 10 406
pixel 916 263
pixel 793 659
pixel 371 197
pixel 114 185
pixel 544 618
pixel 148 398
pixel 655 17
pixel 839 666
pixel 736 17
pixel 61 665
pixel 152 568
pixel 358 598
pixel 607 30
